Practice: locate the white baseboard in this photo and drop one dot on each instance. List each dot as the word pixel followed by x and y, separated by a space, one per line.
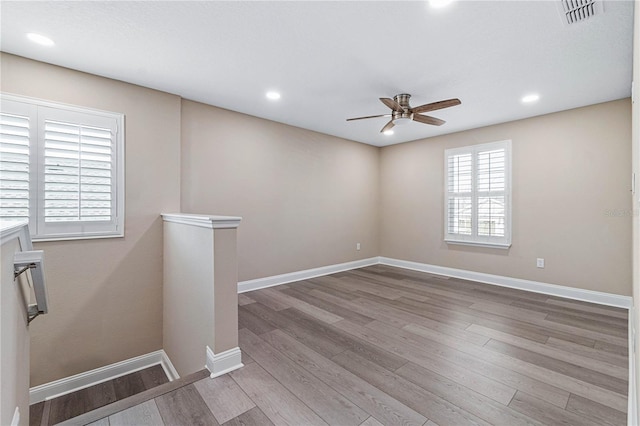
pixel 93 377
pixel 259 283
pixel 551 289
pixel 598 297
pixel 224 362
pixel 16 417
pixel 167 366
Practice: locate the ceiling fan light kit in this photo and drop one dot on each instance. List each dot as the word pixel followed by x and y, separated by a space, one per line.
pixel 398 121
pixel 402 113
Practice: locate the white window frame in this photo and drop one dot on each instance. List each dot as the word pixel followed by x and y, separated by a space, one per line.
pixel 40 110
pixel 502 242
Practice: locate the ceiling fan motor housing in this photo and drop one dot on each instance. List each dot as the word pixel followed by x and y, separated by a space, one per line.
pixel 403 100
pixel 402 117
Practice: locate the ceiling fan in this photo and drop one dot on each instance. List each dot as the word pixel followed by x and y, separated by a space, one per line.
pixel 402 113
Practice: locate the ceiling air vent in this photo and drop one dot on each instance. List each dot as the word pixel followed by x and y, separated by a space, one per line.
pixel 574 11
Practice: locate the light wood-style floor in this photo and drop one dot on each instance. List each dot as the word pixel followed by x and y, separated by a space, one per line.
pixel 382 345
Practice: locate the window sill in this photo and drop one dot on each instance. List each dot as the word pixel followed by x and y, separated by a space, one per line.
pixel 503 246
pixel 45 239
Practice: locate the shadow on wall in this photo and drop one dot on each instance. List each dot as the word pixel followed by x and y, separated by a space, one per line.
pixel 87 316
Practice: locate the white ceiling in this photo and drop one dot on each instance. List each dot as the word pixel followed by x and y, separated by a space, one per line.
pixel 333 60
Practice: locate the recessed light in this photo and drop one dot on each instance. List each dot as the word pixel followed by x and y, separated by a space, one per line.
pixel 40 39
pixel 388 132
pixel 530 98
pixel 274 96
pixel 439 3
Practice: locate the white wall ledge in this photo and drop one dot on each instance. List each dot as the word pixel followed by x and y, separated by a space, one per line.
pixel 203 221
pixel 19 230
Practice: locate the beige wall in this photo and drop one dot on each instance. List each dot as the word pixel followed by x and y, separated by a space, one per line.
pixel 14 337
pixel 225 268
pixel 106 295
pixel 570 170
pixel 200 293
pixel 636 208
pixel 188 295
pixel 305 198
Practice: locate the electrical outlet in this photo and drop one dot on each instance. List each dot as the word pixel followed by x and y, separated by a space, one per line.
pixel 540 262
pixel 357 246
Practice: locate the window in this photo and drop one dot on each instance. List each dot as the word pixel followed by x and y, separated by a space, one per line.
pixel 61 169
pixel 478 195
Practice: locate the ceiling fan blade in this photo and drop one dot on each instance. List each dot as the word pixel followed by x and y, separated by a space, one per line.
pixel 370 116
pixel 392 104
pixel 427 120
pixel 387 126
pixel 436 105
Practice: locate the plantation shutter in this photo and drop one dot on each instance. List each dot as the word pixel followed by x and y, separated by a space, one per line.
pixel 16 173
pixel 78 163
pixel 61 169
pixel 491 192
pixel 77 192
pixel 477 192
pixel 459 190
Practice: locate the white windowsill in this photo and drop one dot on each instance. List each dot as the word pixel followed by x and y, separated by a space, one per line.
pixel 72 237
pixel 503 246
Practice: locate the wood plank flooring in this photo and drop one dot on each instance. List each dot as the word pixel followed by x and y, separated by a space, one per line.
pixel 68 406
pixel 386 346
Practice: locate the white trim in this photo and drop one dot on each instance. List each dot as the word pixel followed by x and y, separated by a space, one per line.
pixel 478 244
pixel 224 362
pixel 52 104
pixel 39 110
pixel 99 375
pixel 20 231
pixel 632 408
pixel 258 283
pixel 601 298
pixel 503 242
pixel 16 417
pixel 167 366
pixel 203 221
